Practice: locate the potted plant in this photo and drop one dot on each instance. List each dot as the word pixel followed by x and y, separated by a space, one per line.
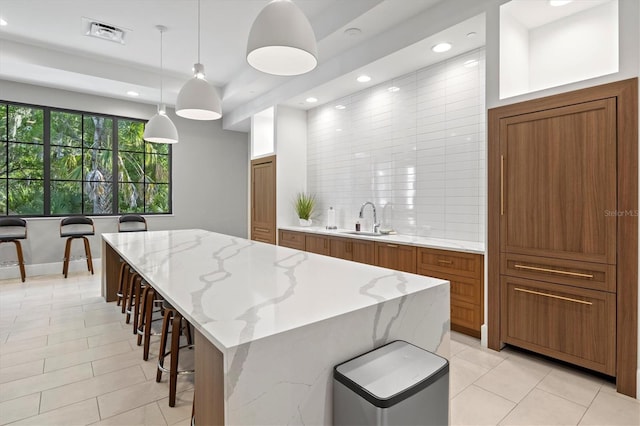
pixel 304 204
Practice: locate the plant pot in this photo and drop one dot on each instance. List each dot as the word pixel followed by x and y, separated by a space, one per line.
pixel 305 222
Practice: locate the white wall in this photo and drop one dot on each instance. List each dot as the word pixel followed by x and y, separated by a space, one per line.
pixel 418 153
pixel 263 133
pixel 209 179
pixel 291 169
pixel 514 54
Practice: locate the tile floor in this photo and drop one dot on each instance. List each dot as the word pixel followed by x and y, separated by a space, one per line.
pixel 68 358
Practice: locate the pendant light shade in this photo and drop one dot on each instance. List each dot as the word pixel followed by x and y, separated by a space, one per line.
pixel 198 100
pixel 160 129
pixel 281 41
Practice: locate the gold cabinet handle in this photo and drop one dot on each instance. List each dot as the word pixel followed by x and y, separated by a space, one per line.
pixel 392 245
pixel 554 271
pixel 261 229
pixel 447 262
pixel 501 185
pixel 553 296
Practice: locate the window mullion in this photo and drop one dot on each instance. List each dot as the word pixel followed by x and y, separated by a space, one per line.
pixel 115 166
pixel 47 161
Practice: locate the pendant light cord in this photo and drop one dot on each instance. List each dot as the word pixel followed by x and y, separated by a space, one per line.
pixel 198 31
pixel 161 70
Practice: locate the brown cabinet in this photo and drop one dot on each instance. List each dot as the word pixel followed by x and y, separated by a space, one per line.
pixel 291 239
pixel 351 249
pixel 263 199
pixel 396 256
pixel 317 244
pixel 465 272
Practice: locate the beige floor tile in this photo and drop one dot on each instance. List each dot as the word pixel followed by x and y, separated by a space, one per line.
pixel 132 397
pixel 147 415
pixel 82 413
pixel 78 333
pixel 90 388
pixel 513 378
pixel 46 329
pixel 82 356
pixel 99 306
pixel 49 351
pixel 456 347
pixel 182 409
pixel 612 409
pixel 101 317
pixel 120 362
pixel 476 406
pixel 462 374
pixel 116 334
pixel 19 408
pixel 21 371
pixel 23 345
pixel 482 357
pixel 542 408
pixel 27 325
pixel 577 387
pixel 45 381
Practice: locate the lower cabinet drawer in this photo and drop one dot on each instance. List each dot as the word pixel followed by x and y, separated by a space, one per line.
pixel 568 323
pixel 464 289
pixel 291 239
pixel 465 317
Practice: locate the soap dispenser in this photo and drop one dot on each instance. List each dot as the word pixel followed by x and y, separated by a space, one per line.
pixel 331 219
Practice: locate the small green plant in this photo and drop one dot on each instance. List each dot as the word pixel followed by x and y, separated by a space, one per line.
pixel 304 205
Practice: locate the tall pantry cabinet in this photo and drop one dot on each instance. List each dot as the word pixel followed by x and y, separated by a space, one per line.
pixel 563 228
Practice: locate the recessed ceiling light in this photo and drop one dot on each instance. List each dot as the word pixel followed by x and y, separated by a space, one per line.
pixel 470 63
pixel 364 79
pixel 311 99
pixel 472 34
pixel 441 47
pixel 559 2
pixel 3 23
pixel 338 130
pixel 393 89
pixel 133 93
pixel 353 31
pixel 340 107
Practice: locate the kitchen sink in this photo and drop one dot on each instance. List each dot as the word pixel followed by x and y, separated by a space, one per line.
pixel 363 233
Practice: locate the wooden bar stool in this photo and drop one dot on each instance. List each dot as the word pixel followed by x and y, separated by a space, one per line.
pixel 132 223
pixel 174 319
pixel 12 230
pixel 149 299
pixel 123 281
pixel 72 228
pixel 136 287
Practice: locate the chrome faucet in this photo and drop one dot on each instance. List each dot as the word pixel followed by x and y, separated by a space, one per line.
pixel 376 225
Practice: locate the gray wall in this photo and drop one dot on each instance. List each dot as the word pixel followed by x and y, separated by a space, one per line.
pixel 209 178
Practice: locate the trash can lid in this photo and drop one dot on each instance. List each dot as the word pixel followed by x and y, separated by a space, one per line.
pixel 391 373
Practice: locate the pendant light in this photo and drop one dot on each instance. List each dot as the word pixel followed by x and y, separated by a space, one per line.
pixel 198 100
pixel 160 129
pixel 281 41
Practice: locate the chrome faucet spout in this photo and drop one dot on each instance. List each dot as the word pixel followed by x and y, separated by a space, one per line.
pixel 376 225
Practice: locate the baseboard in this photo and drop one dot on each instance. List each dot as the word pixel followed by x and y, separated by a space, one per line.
pixel 47 269
pixel 484 334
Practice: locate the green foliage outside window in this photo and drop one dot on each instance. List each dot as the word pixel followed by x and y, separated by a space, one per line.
pixel 91 170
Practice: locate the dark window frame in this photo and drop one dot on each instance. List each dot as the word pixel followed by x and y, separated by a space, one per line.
pixel 46 180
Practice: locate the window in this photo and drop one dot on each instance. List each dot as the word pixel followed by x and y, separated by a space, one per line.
pixel 58 163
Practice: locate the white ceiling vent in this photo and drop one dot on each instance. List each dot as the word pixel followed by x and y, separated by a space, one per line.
pixel 94 28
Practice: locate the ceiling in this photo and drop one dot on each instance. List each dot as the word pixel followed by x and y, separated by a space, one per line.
pixel 45 44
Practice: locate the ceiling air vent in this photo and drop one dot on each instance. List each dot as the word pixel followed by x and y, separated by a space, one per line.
pixel 104 31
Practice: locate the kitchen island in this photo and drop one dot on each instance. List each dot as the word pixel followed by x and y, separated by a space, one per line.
pixel 271 322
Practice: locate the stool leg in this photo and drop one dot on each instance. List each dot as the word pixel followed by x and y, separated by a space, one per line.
pixel 125 289
pixel 121 278
pixel 136 308
pixel 131 295
pixel 175 350
pixel 67 251
pixel 20 259
pixel 147 322
pixel 163 343
pixel 87 252
pixel 142 312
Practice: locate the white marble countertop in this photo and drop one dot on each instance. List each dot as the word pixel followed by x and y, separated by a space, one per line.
pixel 236 291
pixel 429 242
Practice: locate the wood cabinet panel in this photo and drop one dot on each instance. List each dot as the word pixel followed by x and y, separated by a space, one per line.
pixel 446 261
pixel 558 182
pixel 396 256
pixel 596 276
pixel 291 239
pixel 352 249
pixel 317 244
pixel 263 199
pixel 465 318
pixel 568 323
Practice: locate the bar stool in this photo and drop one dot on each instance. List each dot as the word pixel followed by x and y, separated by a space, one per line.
pixel 132 223
pixel 149 299
pixel 12 230
pixel 174 318
pixel 72 228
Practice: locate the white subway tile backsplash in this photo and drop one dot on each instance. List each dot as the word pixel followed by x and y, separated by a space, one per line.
pixel 418 153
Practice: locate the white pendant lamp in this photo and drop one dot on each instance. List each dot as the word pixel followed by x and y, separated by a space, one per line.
pixel 281 41
pixel 160 129
pixel 198 100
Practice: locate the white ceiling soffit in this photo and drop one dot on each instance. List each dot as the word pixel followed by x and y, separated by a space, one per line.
pixel 50 48
pixel 535 13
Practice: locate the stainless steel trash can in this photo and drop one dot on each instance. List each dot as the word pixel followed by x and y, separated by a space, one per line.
pixel 396 384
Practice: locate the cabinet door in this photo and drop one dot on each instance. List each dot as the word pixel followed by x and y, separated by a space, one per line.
pixel 396 256
pixel 317 244
pixel 340 248
pixel 291 239
pixel 363 252
pixel 558 182
pixel 569 323
pixel 263 199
